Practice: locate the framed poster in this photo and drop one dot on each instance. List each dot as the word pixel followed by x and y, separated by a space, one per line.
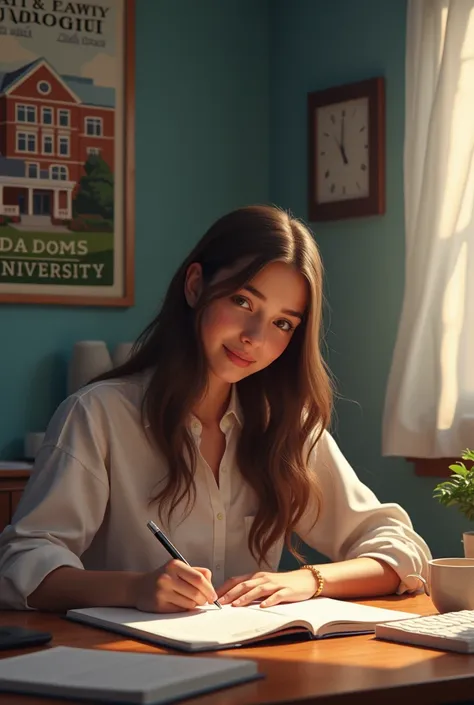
pixel 67 158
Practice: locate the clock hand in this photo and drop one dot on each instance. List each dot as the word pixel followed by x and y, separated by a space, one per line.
pixel 342 150
pixel 341 146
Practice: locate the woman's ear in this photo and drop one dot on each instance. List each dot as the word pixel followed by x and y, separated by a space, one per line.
pixel 193 284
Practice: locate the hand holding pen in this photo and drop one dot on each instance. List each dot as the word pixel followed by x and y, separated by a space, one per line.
pixel 175 587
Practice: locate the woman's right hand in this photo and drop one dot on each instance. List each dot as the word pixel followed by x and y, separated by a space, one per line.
pixel 175 587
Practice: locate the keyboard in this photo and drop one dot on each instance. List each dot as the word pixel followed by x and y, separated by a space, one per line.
pixel 451 631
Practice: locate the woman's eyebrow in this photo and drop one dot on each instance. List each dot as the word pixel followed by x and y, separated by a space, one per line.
pixel 259 295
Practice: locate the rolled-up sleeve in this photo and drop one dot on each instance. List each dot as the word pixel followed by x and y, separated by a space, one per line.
pixel 352 523
pixel 61 508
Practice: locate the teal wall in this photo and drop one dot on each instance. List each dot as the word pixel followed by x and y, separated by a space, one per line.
pixel 221 121
pixel 313 45
pixel 201 150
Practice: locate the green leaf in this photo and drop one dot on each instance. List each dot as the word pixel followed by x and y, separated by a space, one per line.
pixel 458 491
pixel 460 468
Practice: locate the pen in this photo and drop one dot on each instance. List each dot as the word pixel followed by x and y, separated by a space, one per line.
pixel 172 550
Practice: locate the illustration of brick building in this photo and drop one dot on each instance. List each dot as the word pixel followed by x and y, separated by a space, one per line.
pixel 50 125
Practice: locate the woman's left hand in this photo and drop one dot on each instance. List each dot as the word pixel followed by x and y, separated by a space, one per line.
pixel 272 588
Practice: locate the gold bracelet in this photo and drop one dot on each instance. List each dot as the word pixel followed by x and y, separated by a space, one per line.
pixel 318 577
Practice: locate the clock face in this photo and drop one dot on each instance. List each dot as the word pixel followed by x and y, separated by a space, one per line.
pixel 342 156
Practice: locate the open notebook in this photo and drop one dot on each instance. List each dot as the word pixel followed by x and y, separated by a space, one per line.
pixel 120 677
pixel 209 628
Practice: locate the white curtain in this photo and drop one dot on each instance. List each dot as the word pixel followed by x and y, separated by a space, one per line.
pixel 429 406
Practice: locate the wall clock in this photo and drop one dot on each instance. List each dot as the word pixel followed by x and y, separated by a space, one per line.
pixel 346 137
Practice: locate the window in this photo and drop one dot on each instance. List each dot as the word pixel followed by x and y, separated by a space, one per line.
pixel 59 172
pixel 44 87
pixel 47 144
pixel 94 126
pixel 429 398
pixel 32 170
pixel 25 113
pixel 93 151
pixel 47 116
pixel 63 142
pixel 63 118
pixel 25 142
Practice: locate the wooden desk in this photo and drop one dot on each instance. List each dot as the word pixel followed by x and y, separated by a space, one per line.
pixel 337 671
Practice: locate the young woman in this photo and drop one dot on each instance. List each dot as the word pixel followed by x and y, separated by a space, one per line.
pixel 216 429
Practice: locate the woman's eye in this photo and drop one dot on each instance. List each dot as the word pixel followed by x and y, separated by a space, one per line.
pixel 240 301
pixel 284 325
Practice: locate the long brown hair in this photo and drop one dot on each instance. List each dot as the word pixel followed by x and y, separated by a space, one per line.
pixel 286 406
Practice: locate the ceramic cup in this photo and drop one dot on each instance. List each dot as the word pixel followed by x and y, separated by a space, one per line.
pixel 468 541
pixel 450 584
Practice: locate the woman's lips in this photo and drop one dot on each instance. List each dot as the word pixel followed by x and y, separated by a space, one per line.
pixel 236 359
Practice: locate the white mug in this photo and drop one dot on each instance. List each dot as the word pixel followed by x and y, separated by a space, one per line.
pixel 468 541
pixel 450 584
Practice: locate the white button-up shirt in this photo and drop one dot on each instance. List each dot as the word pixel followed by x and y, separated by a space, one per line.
pixel 87 503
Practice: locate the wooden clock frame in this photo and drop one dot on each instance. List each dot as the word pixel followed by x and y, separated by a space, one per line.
pixel 374 203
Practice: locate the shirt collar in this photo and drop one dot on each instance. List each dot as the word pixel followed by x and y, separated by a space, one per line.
pixel 233 410
pixel 232 413
pixel 234 407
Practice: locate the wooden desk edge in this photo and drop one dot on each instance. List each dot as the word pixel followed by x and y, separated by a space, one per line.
pixel 443 677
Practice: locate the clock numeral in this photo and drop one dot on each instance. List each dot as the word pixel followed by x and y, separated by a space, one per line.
pixel 357 184
pixel 354 112
pixel 363 167
pixel 322 154
pixel 333 119
pixel 343 113
pixel 366 146
pixel 333 188
pixel 326 134
pixel 326 174
pixel 362 128
pixel 344 190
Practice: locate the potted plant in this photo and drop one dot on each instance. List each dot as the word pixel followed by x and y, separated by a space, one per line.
pixel 459 491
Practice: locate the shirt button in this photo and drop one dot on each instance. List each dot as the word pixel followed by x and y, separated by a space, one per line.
pixel 220 516
pixel 224 469
pixel 218 566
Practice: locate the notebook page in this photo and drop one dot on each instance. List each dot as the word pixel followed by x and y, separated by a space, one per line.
pixel 206 625
pixel 324 610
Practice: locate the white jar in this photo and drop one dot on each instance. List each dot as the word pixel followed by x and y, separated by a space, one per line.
pixel 89 359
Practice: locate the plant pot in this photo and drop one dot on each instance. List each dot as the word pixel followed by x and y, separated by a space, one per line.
pixel 468 541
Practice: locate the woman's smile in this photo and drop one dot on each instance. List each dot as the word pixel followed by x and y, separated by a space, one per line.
pixel 236 359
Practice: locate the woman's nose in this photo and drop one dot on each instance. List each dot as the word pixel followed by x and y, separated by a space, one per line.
pixel 253 332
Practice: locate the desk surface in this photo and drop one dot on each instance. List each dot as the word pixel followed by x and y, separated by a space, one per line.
pixel 336 671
